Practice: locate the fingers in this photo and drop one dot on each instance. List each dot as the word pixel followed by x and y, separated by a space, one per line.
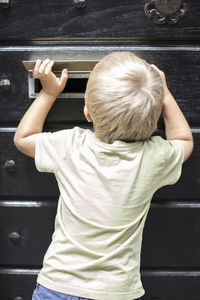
pixel 156 68
pixel 160 72
pixel 49 67
pixel 36 69
pixel 49 81
pixel 42 68
pixel 64 77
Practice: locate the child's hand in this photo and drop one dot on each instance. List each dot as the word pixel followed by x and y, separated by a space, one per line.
pixel 162 74
pixel 51 84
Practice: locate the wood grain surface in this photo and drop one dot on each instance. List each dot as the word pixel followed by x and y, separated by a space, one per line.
pixel 26 181
pixel 34 223
pixel 114 19
pixel 162 284
pixel 179 64
pixel 60 31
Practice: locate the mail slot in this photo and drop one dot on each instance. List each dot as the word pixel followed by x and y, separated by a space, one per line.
pixel 78 74
pixel 75 87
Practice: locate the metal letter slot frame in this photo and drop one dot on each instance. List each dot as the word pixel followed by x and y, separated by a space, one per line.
pixel 78 74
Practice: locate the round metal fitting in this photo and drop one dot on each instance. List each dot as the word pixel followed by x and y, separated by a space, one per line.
pixel 10 165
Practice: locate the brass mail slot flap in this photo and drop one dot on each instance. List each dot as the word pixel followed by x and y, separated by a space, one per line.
pixel 73 66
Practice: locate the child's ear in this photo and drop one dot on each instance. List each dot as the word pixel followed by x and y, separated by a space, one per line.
pixel 87 115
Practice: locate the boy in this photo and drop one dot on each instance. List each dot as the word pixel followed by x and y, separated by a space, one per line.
pixel 106 178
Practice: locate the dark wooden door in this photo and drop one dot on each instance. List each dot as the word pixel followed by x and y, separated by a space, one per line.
pixel 165 33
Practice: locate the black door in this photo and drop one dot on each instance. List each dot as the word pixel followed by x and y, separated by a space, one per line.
pixel 165 33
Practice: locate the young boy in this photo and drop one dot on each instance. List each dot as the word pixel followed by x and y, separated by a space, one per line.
pixel 107 177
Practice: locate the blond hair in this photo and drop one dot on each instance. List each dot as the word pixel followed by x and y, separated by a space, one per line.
pixel 124 97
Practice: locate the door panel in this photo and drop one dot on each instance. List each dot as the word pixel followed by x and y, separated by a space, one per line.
pixel 27 228
pixel 163 285
pixel 60 30
pixel 111 20
pixel 24 180
pixel 180 65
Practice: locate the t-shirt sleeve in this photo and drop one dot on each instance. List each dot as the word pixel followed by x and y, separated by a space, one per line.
pixel 49 148
pixel 172 156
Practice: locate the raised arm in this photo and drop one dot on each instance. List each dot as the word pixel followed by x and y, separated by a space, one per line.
pixel 33 120
pixel 176 126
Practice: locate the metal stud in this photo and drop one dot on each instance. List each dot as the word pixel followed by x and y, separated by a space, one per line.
pixel 5 85
pixel 14 237
pixel 10 165
pixel 4 4
pixel 80 3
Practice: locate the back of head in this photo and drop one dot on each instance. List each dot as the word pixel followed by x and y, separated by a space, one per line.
pixel 124 97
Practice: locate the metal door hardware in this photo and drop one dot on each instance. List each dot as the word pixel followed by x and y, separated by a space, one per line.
pixel 10 165
pixel 80 3
pixel 4 4
pixel 14 237
pixel 73 66
pixel 78 74
pixel 5 85
pixel 162 11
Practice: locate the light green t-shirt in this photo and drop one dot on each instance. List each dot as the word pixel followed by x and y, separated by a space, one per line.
pixel 105 195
